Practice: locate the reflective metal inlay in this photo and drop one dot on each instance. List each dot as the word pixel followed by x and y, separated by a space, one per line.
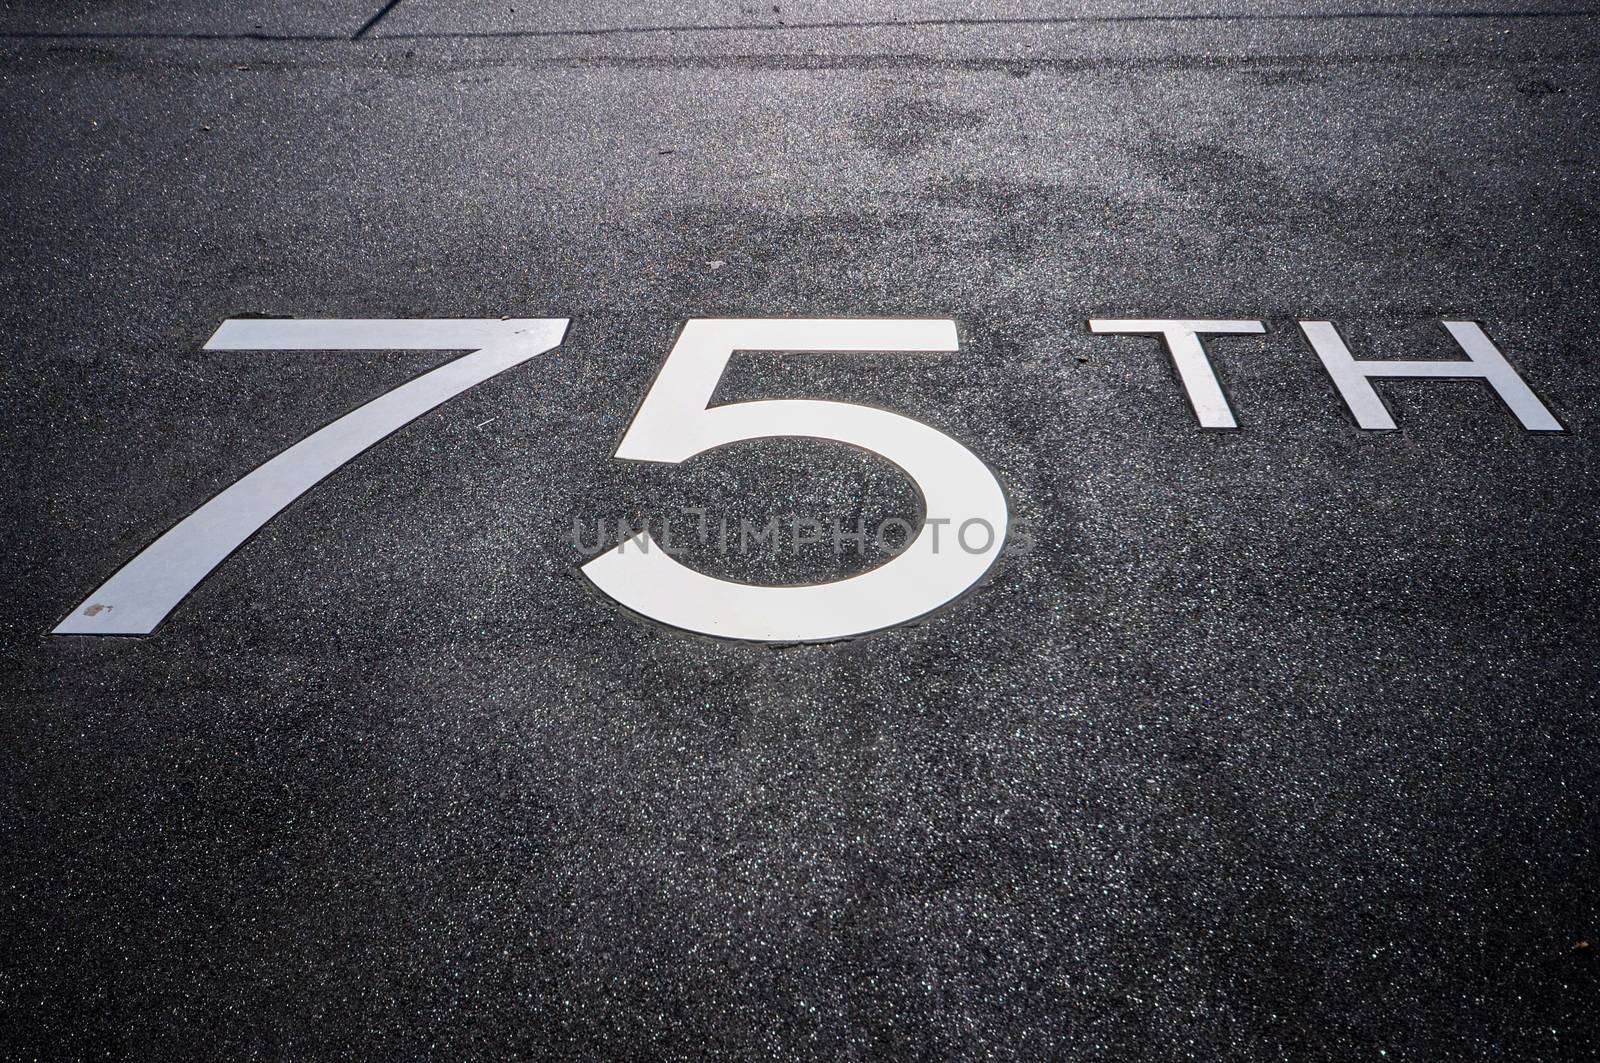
pixel 141 594
pixel 1484 362
pixel 677 421
pixel 1182 337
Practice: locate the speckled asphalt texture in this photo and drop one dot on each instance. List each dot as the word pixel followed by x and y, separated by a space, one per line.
pixel 1280 745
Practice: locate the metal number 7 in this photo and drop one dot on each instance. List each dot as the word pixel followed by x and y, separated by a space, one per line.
pixel 141 593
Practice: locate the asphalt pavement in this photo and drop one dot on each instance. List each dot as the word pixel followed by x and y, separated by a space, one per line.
pixel 1277 744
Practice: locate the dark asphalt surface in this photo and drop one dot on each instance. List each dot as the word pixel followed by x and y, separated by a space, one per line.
pixel 1281 744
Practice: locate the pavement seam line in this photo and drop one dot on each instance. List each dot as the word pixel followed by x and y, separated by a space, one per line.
pixel 840 25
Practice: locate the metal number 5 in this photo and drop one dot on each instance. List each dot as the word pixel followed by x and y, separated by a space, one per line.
pixel 677 421
pixel 141 593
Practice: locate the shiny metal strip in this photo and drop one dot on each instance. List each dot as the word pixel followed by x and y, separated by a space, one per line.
pixel 1182 338
pixel 1484 362
pixel 141 594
